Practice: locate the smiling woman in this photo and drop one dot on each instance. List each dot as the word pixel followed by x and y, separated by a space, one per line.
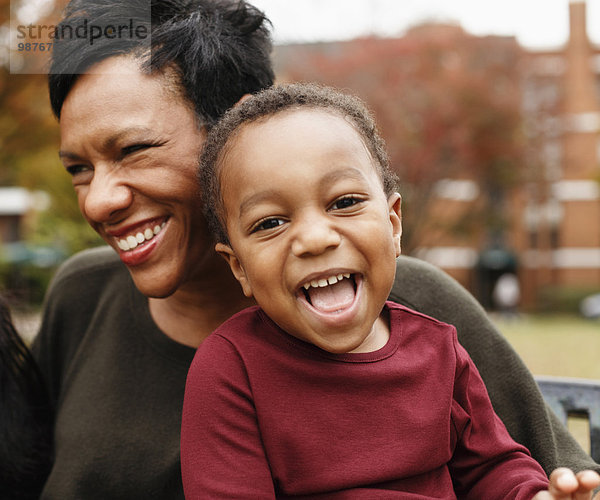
pixel 131 149
pixel 121 324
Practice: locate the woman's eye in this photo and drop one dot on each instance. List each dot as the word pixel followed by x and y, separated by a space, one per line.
pixel 345 202
pixel 134 148
pixel 73 170
pixel 267 224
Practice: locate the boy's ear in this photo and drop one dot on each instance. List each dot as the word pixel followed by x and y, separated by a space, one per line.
pixel 237 269
pixel 395 212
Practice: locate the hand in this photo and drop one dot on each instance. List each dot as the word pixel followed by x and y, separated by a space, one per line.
pixel 565 485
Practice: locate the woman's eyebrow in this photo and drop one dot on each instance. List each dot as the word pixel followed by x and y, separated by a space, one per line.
pixel 133 133
pixel 68 155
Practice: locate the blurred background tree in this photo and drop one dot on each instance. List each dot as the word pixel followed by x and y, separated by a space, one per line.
pixel 29 143
pixel 29 139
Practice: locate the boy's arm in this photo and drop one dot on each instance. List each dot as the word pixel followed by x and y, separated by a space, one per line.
pixel 222 454
pixel 512 389
pixel 486 462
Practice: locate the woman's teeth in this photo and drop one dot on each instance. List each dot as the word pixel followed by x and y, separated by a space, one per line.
pixel 332 280
pixel 133 240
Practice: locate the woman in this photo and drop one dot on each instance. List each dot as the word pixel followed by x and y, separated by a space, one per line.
pixel 121 324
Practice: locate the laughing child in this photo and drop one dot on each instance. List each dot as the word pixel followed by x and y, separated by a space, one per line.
pixel 325 389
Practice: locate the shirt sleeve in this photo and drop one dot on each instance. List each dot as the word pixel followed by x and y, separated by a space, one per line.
pixel 222 454
pixel 487 463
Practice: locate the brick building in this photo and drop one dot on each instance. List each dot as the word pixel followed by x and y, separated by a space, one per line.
pixel 558 235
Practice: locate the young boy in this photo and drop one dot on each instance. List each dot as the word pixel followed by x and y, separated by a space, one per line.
pixel 327 390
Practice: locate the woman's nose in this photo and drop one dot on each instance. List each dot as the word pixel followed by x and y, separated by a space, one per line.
pixel 107 195
pixel 314 236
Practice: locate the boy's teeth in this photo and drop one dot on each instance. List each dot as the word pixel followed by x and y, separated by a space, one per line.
pixel 132 241
pixel 332 280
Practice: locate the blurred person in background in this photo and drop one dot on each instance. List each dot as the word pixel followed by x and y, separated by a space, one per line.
pixel 25 417
pixel 121 323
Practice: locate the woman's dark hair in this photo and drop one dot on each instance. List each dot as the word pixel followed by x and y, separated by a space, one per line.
pixel 219 49
pixel 270 102
pixel 25 417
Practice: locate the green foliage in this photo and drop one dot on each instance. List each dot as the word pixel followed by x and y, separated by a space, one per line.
pixel 29 158
pixel 26 282
pixel 29 143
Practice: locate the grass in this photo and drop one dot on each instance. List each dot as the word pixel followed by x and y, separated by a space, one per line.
pixel 559 345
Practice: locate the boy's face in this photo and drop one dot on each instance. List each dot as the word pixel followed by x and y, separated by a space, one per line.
pixel 305 207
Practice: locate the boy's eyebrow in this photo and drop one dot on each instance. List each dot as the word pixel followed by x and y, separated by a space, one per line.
pixel 343 173
pixel 326 180
pixel 256 199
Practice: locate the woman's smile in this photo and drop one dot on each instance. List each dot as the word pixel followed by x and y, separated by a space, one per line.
pixel 140 237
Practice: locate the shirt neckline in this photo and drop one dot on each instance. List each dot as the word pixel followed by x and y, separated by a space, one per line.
pixel 384 352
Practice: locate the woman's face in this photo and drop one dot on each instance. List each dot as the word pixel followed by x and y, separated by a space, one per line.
pixel 131 146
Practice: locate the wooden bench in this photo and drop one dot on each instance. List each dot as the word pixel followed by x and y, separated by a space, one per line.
pixel 575 398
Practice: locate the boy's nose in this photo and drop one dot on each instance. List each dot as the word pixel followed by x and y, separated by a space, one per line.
pixel 314 236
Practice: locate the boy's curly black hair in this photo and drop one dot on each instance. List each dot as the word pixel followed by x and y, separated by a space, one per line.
pixel 270 102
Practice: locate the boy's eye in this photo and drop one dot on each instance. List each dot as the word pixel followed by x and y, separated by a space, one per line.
pixel 345 202
pixel 266 224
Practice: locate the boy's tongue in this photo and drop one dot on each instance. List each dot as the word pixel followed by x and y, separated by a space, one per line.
pixel 332 297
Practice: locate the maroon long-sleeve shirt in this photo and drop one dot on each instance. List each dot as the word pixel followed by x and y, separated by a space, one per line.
pixel 267 415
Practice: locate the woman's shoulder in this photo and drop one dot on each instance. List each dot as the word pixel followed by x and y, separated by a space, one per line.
pixel 93 260
pixel 101 262
pixel 426 288
pixel 87 273
pixel 418 278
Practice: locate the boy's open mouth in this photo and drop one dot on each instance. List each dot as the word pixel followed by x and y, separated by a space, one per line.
pixel 331 294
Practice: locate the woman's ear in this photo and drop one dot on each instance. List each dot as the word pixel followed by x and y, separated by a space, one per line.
pixel 242 99
pixel 237 269
pixel 395 213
